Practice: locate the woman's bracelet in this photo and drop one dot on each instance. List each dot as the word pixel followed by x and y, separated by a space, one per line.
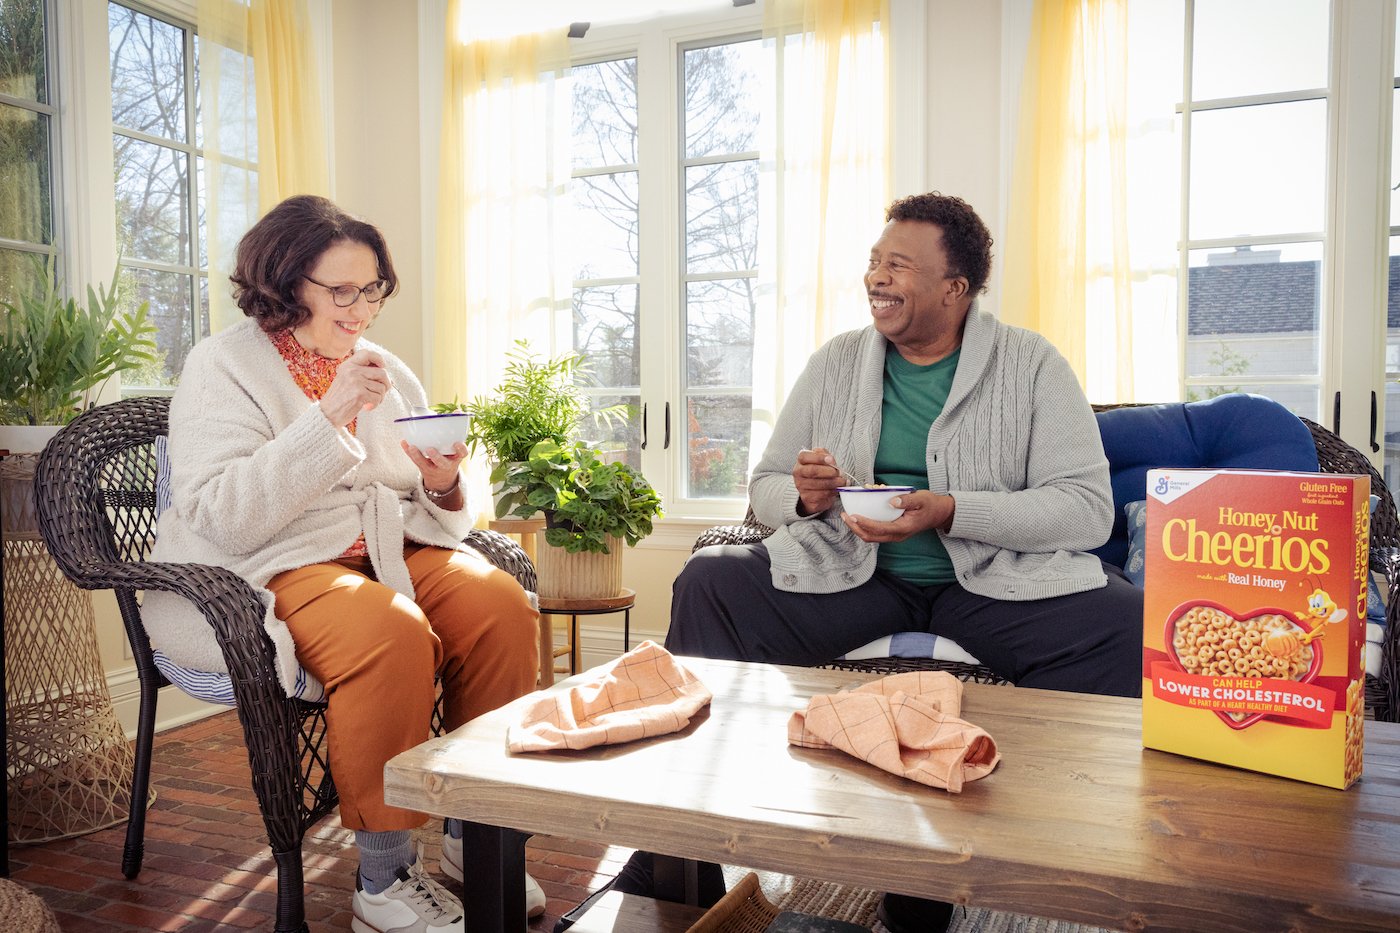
pixel 446 492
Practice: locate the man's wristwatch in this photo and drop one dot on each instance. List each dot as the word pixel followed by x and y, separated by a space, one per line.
pixel 446 492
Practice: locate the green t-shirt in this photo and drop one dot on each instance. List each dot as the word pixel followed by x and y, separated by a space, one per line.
pixel 914 396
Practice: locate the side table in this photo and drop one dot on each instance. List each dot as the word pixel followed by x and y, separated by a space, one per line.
pixel 524 529
pixel 574 608
pixel 69 764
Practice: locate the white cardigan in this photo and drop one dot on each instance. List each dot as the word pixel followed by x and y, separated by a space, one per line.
pixel 262 483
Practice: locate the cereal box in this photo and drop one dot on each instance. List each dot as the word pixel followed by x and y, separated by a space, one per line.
pixel 1255 620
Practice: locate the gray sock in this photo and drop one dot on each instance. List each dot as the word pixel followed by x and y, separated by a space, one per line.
pixel 452 827
pixel 381 857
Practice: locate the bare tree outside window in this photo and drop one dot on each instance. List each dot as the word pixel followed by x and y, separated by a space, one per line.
pixel 718 109
pixel 26 190
pixel 159 210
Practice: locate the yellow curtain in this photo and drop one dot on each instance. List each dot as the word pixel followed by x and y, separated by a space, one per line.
pixel 826 144
pixel 1090 259
pixel 502 173
pixel 265 128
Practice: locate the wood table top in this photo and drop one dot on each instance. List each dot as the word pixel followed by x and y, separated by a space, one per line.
pixel 1078 821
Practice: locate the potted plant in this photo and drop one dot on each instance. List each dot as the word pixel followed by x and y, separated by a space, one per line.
pixel 591 507
pixel 55 354
pixel 538 399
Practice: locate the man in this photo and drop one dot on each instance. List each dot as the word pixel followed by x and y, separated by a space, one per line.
pixel 990 426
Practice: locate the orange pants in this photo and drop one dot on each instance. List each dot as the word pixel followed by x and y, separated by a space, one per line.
pixel 376 651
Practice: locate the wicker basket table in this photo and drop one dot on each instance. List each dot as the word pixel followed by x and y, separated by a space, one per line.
pixel 70 764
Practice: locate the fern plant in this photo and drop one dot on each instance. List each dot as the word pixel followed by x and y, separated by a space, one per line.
pixel 55 352
pixel 538 399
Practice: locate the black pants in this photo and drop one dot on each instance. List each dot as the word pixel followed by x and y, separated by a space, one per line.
pixel 724 605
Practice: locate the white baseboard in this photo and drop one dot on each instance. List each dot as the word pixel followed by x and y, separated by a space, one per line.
pixel 599 645
pixel 174 707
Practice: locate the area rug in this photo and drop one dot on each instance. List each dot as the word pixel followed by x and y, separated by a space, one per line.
pixel 857 905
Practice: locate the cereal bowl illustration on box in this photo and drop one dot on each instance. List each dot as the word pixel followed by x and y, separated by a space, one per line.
pixel 1254 604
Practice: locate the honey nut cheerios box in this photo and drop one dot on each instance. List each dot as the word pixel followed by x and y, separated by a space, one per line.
pixel 1255 619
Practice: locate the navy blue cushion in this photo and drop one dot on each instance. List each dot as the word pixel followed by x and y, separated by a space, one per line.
pixel 1233 431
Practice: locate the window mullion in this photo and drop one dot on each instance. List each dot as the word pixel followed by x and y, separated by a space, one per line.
pixel 658 324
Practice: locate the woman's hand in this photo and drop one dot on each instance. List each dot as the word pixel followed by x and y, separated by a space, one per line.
pixel 360 384
pixel 816 477
pixel 923 510
pixel 440 472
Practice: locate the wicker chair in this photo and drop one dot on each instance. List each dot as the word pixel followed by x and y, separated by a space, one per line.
pixel 1334 455
pixel 95 490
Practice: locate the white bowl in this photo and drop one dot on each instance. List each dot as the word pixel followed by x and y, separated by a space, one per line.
pixel 439 432
pixel 872 501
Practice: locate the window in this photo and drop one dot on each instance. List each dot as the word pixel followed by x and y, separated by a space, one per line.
pixel 27 145
pixel 156 148
pixel 1255 124
pixel 1283 263
pixel 665 245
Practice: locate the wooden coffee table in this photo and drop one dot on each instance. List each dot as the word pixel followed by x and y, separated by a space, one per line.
pixel 1078 822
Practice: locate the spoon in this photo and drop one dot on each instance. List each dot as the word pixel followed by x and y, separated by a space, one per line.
pixel 853 480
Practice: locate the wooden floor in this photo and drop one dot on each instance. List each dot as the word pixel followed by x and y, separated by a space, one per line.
pixel 207 864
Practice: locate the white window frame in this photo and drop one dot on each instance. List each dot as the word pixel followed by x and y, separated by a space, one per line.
pixel 51 109
pixel 1355 250
pixel 658 44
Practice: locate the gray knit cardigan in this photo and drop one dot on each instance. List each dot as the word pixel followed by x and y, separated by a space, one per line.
pixel 1016 445
pixel 261 482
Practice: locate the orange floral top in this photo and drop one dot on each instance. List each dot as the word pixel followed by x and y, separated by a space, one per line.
pixel 314 374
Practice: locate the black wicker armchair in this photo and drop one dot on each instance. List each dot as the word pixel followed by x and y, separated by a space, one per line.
pixel 1334 455
pixel 95 486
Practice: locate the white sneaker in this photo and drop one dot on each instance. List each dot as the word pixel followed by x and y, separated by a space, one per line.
pixel 452 868
pixel 413 904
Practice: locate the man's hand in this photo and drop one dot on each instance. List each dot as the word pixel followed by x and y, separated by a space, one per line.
pixel 923 510
pixel 360 384
pixel 816 477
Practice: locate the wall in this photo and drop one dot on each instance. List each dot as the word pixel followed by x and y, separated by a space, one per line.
pixel 377 148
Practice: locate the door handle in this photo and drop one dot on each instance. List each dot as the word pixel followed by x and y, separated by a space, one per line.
pixel 1337 414
pixel 644 426
pixel 666 442
pixel 1374 446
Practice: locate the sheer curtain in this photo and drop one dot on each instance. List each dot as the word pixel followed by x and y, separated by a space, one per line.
pixel 825 157
pixel 503 171
pixel 1090 258
pixel 264 123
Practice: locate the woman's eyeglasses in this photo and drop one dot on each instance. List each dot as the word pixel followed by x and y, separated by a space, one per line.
pixel 346 295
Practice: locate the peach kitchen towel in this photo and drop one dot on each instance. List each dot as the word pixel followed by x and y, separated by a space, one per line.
pixel 643 693
pixel 906 724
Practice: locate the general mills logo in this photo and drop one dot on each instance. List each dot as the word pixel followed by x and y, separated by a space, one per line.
pixel 1162 486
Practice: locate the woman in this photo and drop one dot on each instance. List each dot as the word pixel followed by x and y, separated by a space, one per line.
pixel 286 468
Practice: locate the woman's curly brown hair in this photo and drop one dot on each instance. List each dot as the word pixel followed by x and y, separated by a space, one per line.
pixel 966 239
pixel 275 254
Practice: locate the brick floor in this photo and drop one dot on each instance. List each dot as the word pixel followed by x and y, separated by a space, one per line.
pixel 207 865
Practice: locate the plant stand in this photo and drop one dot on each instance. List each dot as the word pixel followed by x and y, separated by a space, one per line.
pixel 573 608
pixel 70 764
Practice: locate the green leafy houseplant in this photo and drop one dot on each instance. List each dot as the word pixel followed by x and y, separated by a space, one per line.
pixel 585 500
pixel 55 352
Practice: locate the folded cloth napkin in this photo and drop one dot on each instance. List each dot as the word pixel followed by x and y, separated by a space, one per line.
pixel 643 693
pixel 906 724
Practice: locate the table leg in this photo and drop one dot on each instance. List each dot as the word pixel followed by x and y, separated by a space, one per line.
pixel 546 678
pixel 494 879
pixel 573 645
pixel 627 629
